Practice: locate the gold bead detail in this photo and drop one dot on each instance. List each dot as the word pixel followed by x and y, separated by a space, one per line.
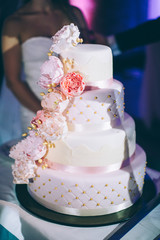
pixel 42 94
pixel 108 109
pixel 39 187
pixel 105 197
pixel 44 196
pixel 55 188
pixel 113 190
pixel 109 96
pixel 35 190
pixel 88 120
pixel 69 190
pixel 50 90
pixel 29 128
pixel 112 202
pixel 56 200
pixel 84 205
pixel 74 105
pixel 77 197
pixel 95 112
pixel 125 187
pixel 91 199
pixel 80 98
pixel 81 112
pixel 74 119
pixel 39 121
pixel 45 143
pixel 44 184
pixel 92 186
pixel 69 203
pixel 118 195
pixel 98 192
pixel 76 185
pixel 62 195
pixel 98 204
pixel 84 192
pixel 40 160
pixel 102 104
pixel 124 199
pixel 88 105
pixel 119 182
pixel 33 126
pixel 49 192
pixel 102 118
pixel 62 183
pixel 95 97
pixel 24 134
pixel 49 180
pixel 106 185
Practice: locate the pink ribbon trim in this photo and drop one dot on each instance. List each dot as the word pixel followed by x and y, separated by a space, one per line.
pixel 91 170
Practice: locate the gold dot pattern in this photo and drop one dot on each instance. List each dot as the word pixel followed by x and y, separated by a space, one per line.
pixel 109 199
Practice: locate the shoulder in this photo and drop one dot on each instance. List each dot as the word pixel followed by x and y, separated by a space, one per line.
pixel 11 25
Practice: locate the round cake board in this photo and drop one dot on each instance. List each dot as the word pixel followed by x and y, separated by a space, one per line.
pixel 149 191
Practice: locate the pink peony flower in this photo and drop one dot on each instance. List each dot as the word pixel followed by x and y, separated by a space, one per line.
pixel 65 38
pixel 31 148
pixel 51 101
pixel 25 154
pixel 22 171
pixel 53 128
pixel 41 117
pixel 72 84
pixel 51 71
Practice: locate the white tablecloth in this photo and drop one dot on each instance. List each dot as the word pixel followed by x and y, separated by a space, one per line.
pixel 26 226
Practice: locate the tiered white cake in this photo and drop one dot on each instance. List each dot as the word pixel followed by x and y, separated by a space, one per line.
pixel 96 168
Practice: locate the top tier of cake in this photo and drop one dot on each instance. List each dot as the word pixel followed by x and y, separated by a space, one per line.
pixel 94 61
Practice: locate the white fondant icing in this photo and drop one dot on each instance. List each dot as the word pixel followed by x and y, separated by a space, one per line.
pixel 94 194
pixel 95 108
pixel 94 61
pixel 96 148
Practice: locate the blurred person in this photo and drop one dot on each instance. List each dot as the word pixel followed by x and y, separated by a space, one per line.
pixel 26 39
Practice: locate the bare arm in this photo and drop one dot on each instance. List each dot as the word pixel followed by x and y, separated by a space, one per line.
pixel 11 49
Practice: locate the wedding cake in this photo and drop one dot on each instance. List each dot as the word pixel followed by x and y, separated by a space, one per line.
pixel 80 156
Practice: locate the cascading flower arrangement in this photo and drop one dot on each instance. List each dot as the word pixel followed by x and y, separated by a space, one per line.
pixel 49 124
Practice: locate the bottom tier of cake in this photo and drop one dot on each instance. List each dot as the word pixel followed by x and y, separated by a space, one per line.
pixel 93 193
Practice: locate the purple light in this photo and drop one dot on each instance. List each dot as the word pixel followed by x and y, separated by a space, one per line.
pixel 153 9
pixel 87 8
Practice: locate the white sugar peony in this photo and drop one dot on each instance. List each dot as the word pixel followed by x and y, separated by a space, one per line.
pixel 53 128
pixel 31 148
pixel 51 72
pixel 23 170
pixel 65 38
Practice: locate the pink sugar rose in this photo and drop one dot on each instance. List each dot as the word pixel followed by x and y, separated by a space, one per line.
pixel 51 72
pixel 53 128
pixel 72 84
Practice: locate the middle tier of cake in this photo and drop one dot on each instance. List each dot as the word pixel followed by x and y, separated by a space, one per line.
pixel 96 149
